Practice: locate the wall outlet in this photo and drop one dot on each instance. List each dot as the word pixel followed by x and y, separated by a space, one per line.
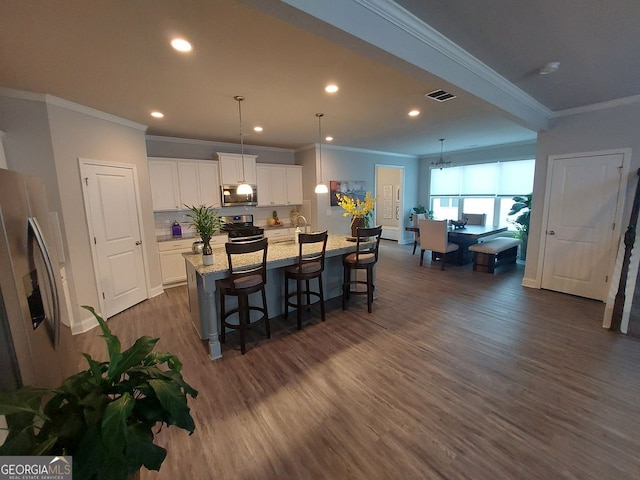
pixel 329 212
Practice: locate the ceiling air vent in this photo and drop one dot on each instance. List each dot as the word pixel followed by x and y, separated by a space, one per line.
pixel 440 95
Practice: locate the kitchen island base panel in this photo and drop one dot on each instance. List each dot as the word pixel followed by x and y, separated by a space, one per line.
pixel 204 299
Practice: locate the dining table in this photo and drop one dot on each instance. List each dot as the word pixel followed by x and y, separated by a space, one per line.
pixel 465 237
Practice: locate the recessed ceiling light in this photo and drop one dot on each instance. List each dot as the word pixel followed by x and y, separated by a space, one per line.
pixel 257 129
pixel 329 139
pixel 332 88
pixel 549 68
pixel 157 114
pixel 414 113
pixel 181 45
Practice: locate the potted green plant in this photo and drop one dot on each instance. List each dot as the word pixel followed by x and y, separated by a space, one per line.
pixel 105 416
pixel 419 210
pixel 522 208
pixel 207 223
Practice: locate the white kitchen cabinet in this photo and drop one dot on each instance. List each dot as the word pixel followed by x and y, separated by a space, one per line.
pixel 231 168
pixel 165 190
pixel 171 260
pixel 279 185
pixel 172 263
pixel 177 182
pixel 281 234
pixel 294 185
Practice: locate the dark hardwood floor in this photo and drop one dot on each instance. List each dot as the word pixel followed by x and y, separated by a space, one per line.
pixel 455 375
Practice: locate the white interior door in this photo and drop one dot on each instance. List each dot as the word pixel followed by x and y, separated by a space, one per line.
pixel 114 224
pixel 581 234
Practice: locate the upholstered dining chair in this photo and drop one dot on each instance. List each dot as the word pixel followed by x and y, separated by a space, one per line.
pixel 475 218
pixel 434 236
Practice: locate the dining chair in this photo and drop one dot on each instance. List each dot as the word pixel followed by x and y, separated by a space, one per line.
pixel 309 266
pixel 434 236
pixel 247 275
pixel 364 258
pixel 416 235
pixel 475 218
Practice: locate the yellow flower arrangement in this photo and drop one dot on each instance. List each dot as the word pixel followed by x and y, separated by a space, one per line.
pixel 356 207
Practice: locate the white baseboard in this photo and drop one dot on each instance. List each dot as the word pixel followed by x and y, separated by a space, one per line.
pixel 530 283
pixel 155 291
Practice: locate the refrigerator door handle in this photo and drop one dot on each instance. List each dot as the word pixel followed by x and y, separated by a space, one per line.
pixel 34 227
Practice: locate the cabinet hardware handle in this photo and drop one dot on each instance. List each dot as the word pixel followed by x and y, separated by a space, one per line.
pixel 551 232
pixel 138 242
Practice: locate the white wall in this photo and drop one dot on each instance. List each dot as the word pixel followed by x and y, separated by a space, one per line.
pixel 45 136
pixel 603 129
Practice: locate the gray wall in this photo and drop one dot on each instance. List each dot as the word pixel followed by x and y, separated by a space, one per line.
pixel 582 133
pixel 171 147
pixel 341 163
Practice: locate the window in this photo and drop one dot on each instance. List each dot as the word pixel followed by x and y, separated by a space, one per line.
pixel 483 188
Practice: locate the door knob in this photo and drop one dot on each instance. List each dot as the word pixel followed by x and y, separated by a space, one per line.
pixel 551 232
pixel 139 242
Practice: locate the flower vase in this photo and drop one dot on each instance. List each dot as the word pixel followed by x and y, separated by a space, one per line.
pixel 207 254
pixel 355 223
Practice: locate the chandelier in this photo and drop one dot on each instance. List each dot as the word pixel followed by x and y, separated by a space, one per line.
pixel 441 162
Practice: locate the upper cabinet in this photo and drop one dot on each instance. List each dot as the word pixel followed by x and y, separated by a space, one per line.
pixel 176 183
pixel 279 185
pixel 232 171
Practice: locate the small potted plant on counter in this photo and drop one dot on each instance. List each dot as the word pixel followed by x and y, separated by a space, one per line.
pixel 106 416
pixel 207 223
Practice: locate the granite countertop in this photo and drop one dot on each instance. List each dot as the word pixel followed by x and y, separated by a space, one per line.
pixel 278 255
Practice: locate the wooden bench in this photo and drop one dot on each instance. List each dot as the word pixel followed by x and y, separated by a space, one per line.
pixel 489 255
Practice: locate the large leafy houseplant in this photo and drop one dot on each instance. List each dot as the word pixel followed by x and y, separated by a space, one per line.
pixel 522 206
pixel 205 220
pixel 104 416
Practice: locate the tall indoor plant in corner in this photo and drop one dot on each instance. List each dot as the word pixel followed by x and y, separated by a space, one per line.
pixel 106 416
pixel 207 223
pixel 522 206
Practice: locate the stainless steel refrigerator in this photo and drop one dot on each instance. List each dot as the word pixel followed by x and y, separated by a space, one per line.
pixel 35 347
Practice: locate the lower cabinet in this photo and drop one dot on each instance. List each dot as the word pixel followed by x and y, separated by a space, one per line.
pixel 281 234
pixel 172 262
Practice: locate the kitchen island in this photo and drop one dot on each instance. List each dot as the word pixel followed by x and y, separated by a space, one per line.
pixel 204 301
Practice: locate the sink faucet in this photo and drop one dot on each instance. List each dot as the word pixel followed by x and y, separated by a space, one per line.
pixel 305 222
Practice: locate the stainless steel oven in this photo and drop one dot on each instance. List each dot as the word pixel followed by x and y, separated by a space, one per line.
pixel 231 197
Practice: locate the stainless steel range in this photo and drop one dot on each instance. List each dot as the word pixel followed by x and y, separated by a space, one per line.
pixel 240 228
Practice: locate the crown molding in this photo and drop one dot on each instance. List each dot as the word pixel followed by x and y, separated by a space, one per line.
pixel 194 141
pixel 618 102
pixel 356 150
pixel 76 107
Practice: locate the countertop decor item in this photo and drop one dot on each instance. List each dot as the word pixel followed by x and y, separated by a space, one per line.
pixel 360 210
pixel 207 223
pixel 106 416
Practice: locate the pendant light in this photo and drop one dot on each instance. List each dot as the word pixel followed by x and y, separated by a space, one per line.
pixel 441 162
pixel 244 188
pixel 320 187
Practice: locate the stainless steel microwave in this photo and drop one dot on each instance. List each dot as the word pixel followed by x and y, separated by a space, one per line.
pixel 231 197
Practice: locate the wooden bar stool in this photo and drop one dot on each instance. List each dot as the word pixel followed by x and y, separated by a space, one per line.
pixel 310 265
pixel 364 258
pixel 247 275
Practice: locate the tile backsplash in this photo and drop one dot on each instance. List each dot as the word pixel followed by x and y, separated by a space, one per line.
pixel 164 220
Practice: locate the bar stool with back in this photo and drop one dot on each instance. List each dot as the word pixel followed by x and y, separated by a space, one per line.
pixel 364 258
pixel 247 275
pixel 310 265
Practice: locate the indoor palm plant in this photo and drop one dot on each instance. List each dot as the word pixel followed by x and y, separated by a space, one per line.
pixel 105 416
pixel 207 223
